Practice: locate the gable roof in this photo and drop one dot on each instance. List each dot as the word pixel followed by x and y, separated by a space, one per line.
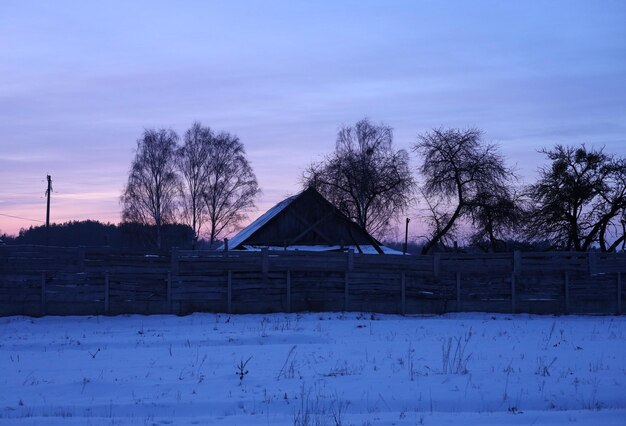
pixel 249 230
pixel 305 219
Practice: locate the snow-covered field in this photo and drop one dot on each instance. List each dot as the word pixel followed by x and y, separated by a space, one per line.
pixel 328 368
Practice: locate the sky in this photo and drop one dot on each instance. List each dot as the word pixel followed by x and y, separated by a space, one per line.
pixel 80 81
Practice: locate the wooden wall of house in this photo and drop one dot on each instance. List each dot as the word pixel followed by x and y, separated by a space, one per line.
pixel 299 216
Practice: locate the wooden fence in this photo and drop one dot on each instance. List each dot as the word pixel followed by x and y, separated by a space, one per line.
pixel 36 280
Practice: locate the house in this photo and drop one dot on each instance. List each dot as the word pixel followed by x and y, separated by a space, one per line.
pixel 306 221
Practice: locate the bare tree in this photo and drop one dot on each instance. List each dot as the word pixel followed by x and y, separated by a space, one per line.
pixel 192 161
pixel 437 218
pixel 231 185
pixel 457 168
pixel 496 214
pixel 580 199
pixel 365 177
pixel 149 195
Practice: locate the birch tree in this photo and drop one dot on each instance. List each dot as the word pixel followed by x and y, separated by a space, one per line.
pixel 365 177
pixel 231 186
pixel 192 160
pixel 149 196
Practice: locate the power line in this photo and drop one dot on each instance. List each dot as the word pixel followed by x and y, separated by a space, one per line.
pixel 20 217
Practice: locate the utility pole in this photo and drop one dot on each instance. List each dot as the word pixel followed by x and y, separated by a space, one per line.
pixel 48 193
pixel 406 236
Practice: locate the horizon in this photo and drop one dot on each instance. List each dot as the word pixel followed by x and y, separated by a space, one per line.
pixel 80 82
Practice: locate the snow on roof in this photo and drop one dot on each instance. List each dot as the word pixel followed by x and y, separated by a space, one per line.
pixel 247 232
pixel 365 248
pixel 389 250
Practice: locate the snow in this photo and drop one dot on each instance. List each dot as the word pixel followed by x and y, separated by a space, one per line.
pixel 325 368
pixel 365 249
pixel 247 232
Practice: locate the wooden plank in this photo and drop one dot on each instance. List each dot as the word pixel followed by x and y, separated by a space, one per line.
pixel 390 261
pixel 202 297
pixel 611 262
pixel 346 288
pixel 33 301
pixel 174 261
pixel 106 292
pixel 195 292
pixel 517 262
pixel 566 292
pixel 81 258
pixel 302 264
pixel 73 297
pixel 436 264
pixel 169 291
pixel 43 293
pixel 288 292
pixel 592 262
pixel 458 292
pixel 130 270
pixel 403 294
pixel 513 293
pixel 619 293
pixel 485 264
pixel 229 295
pixel 350 259
pixel 312 226
pixel 365 280
pixel 265 264
pixel 346 291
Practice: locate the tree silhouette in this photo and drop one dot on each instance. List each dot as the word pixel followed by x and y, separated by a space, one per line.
pixel 579 199
pixel 231 185
pixel 192 161
pixel 496 215
pixel 150 194
pixel 461 175
pixel 365 177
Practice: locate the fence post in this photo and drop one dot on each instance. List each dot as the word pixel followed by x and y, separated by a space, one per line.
pixel 436 264
pixel 566 292
pixel 174 261
pixel 346 291
pixel 43 293
pixel 288 291
pixel 81 259
pixel 592 262
pixel 517 261
pixel 403 294
pixel 229 292
pixel 458 292
pixel 172 276
pixel 517 268
pixel 619 293
pixel 106 292
pixel 169 292
pixel 265 264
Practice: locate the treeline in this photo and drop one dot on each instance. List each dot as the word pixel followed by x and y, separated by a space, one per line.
pixel 466 189
pixel 205 182
pixel 90 233
pixel 462 187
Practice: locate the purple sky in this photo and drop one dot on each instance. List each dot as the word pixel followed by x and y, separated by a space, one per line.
pixel 79 81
